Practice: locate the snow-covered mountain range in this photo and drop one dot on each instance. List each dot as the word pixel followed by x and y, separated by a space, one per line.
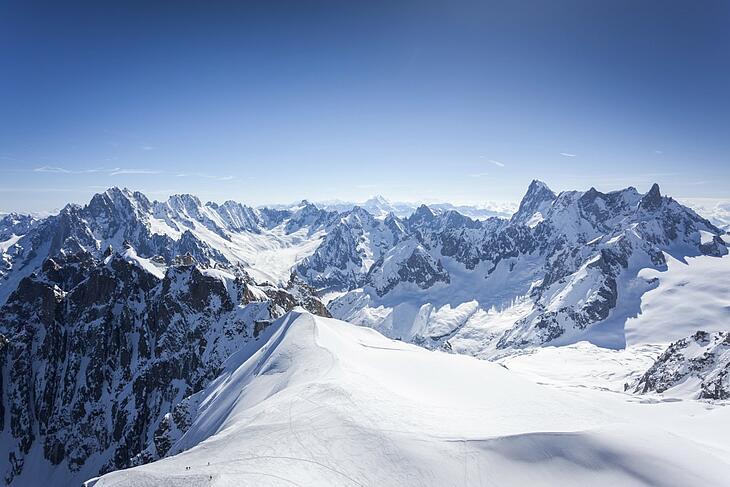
pixel 135 329
pixel 380 207
pixel 563 268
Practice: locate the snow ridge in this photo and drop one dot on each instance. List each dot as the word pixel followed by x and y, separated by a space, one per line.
pixel 326 403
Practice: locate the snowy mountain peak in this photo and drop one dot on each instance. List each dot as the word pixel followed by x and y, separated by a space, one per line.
pixel 653 199
pixel 122 200
pixel 534 204
pixel 359 214
pixel 377 200
pixel 379 206
pixel 537 185
pixel 184 201
pixel 422 214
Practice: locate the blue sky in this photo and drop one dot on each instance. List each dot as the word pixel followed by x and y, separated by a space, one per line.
pixel 278 101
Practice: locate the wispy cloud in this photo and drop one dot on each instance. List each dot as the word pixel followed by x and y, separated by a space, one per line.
pixel 479 175
pixel 51 169
pixel 62 170
pixel 492 161
pixel 206 176
pixel 147 147
pixel 119 172
pixel 111 171
pixel 660 152
pixel 567 154
pixel 41 190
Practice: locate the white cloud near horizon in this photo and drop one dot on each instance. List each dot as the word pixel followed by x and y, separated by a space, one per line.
pixel 567 154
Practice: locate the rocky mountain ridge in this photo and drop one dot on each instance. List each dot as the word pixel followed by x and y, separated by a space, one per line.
pixel 698 365
pixel 571 256
pixel 97 353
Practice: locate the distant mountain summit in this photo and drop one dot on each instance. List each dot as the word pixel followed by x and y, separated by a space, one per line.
pixel 380 207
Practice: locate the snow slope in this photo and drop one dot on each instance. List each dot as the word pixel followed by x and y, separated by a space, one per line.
pixel 328 403
pixel 689 296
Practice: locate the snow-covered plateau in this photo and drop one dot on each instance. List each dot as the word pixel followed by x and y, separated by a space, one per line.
pixel 582 338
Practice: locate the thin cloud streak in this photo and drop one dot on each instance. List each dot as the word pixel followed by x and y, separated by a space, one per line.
pixel 118 171
pixel 114 171
pixel 567 154
pixel 206 176
pixel 41 190
pixel 134 171
pixel 61 170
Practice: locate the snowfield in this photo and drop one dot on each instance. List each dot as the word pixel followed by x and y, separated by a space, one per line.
pixel 689 296
pixel 324 402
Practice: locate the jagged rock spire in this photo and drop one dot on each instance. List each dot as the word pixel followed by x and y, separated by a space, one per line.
pixel 653 199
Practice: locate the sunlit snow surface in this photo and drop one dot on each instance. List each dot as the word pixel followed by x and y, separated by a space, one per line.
pixel 267 256
pixel 689 296
pixel 654 307
pixel 328 403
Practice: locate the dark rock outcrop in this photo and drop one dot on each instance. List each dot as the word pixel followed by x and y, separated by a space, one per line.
pixel 703 359
pixel 100 355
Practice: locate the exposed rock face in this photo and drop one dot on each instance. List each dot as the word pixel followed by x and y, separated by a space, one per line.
pixel 699 365
pixel 407 263
pixel 309 217
pixel 99 356
pixel 110 218
pixel 356 244
pixel 652 200
pixel 348 251
pixel 16 224
pixel 305 295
